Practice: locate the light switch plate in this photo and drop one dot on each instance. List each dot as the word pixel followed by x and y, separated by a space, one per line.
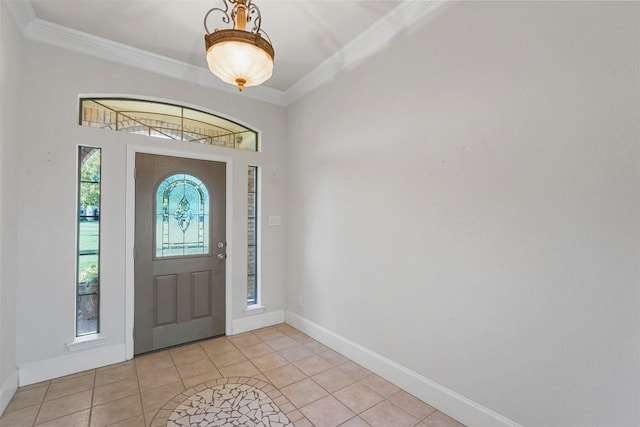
pixel 274 220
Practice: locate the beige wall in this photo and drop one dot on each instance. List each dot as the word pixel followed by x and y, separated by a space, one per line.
pixel 10 103
pixel 466 204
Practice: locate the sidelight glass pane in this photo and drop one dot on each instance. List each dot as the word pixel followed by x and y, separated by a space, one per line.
pixel 251 230
pixel 251 205
pixel 88 312
pixel 251 261
pixel 252 289
pixel 252 236
pixel 88 244
pixel 90 232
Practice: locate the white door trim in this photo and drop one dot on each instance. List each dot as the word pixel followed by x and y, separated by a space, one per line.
pixel 130 205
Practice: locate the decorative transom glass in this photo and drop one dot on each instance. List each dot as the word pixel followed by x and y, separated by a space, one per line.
pixel 182 217
pixel 168 121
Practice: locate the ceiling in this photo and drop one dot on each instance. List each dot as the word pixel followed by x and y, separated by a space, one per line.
pixel 306 34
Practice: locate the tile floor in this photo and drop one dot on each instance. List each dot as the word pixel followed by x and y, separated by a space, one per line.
pixel 310 383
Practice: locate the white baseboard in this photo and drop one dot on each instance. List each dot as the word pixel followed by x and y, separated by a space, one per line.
pixel 257 321
pixel 35 372
pixel 82 360
pixel 8 389
pixel 447 401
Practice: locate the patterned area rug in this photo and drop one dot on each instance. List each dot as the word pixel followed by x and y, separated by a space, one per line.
pixel 226 402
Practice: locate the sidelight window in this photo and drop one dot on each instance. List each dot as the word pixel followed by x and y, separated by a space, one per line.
pixel 88 242
pixel 252 237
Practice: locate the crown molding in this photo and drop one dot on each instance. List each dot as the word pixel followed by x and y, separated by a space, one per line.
pixel 22 12
pixel 88 44
pixel 372 40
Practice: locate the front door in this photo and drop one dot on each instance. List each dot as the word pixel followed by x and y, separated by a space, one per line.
pixel 179 251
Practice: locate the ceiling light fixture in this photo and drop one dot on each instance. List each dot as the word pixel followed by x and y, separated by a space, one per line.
pixel 239 56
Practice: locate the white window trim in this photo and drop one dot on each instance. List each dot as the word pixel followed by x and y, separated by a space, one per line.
pixel 87 341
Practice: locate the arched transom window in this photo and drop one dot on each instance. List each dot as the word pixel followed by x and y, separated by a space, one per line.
pixel 163 120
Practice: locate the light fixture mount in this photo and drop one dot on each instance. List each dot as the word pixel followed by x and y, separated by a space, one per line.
pixel 239 56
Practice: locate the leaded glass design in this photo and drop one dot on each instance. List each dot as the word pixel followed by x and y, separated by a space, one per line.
pixel 252 237
pixel 182 217
pixel 163 120
pixel 88 245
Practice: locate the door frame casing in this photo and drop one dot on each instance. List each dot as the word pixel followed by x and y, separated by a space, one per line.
pixel 130 205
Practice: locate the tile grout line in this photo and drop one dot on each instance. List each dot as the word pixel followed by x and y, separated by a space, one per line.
pixel 93 393
pixel 41 403
pixel 35 421
pixel 144 416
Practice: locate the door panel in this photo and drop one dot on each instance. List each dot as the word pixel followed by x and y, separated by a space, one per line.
pixel 201 294
pixel 165 292
pixel 178 298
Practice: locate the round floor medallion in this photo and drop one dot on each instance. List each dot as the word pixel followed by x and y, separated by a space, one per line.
pixel 236 402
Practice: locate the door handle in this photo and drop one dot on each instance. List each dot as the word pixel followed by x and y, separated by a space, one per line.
pixel 221 257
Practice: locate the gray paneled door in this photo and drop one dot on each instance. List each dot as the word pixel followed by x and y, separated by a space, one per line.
pixel 179 251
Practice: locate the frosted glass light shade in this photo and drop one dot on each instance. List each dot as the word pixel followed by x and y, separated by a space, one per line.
pixel 239 61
